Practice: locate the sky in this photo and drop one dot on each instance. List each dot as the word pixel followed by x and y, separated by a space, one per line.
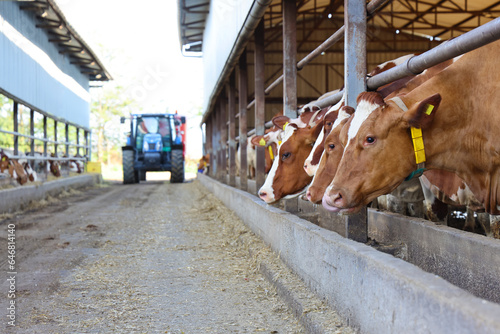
pixel 138 44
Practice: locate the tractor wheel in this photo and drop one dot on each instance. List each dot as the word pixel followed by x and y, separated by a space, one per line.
pixel 128 167
pixel 177 172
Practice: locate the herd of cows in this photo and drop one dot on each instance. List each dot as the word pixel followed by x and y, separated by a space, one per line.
pixel 23 170
pixel 422 145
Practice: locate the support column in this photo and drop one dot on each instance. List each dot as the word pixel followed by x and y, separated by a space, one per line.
pixel 259 102
pixel 66 130
pixel 32 133
pixel 223 137
pixel 231 104
pixel 15 115
pixel 242 106
pixel 55 137
pixel 45 135
pixel 78 141
pixel 289 58
pixel 355 83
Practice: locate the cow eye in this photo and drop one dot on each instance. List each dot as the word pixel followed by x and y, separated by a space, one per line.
pixel 331 146
pixel 285 156
pixel 370 140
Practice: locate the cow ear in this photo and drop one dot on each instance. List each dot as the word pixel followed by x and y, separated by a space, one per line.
pixel 348 110
pixel 422 113
pixel 280 121
pixel 258 141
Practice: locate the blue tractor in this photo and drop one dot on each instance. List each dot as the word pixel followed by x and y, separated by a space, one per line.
pixel 155 143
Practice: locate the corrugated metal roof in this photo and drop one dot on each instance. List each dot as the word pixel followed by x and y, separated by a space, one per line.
pixel 62 34
pixel 192 18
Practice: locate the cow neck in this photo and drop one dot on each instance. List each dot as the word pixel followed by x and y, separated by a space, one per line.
pixel 418 143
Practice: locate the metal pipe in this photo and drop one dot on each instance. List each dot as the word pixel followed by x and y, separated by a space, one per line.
pixel 371 8
pixel 467 42
pixel 29 157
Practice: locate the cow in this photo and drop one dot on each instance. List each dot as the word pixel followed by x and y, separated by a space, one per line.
pixel 14 168
pixel 287 177
pixel 203 164
pixel 330 157
pixel 312 161
pixel 54 166
pixel 456 114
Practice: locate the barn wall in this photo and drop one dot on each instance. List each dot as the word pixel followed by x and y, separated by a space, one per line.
pixel 223 25
pixel 33 71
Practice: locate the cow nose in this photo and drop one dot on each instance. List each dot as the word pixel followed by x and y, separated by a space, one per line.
pixel 308 195
pixel 263 195
pixel 337 199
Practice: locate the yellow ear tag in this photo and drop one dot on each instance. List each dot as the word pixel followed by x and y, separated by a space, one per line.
pixel 284 126
pixel 262 142
pixel 430 107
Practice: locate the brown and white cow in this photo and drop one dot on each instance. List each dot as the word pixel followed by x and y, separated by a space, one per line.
pixel 330 157
pixel 14 168
pixel 287 176
pixel 203 164
pixel 456 111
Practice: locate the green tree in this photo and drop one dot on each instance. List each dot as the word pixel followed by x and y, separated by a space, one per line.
pixel 108 105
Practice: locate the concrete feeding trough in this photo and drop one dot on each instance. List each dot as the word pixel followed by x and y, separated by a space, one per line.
pixel 377 292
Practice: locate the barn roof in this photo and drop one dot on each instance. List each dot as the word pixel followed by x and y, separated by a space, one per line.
pixel 192 18
pixel 64 36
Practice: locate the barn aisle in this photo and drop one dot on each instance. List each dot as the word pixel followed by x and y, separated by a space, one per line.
pixel 148 258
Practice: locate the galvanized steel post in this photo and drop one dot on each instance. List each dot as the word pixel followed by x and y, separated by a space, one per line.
pixel 45 135
pixel 223 137
pixel 66 130
pixel 32 132
pixel 242 103
pixel 354 77
pixel 15 116
pixel 259 102
pixel 290 58
pixel 77 141
pixel 232 128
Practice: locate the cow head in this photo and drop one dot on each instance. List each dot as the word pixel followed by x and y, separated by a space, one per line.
pixel 331 156
pixel 312 161
pixel 378 152
pixel 287 176
pixel 4 162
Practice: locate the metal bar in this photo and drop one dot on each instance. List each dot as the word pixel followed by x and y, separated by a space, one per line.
pixel 32 131
pixel 77 141
pixel 371 8
pixel 259 102
pixel 223 136
pixel 55 137
pixel 467 42
pixel 355 74
pixel 15 115
pixel 242 106
pixel 29 157
pixel 45 135
pixel 290 58
pixel 231 97
pixel 88 148
pixel 40 139
pixel 66 129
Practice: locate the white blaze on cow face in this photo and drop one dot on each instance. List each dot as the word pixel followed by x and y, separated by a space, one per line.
pixel 363 111
pixel 266 192
pixel 308 166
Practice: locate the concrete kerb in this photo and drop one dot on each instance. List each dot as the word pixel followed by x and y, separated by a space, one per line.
pixel 373 291
pixel 15 199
